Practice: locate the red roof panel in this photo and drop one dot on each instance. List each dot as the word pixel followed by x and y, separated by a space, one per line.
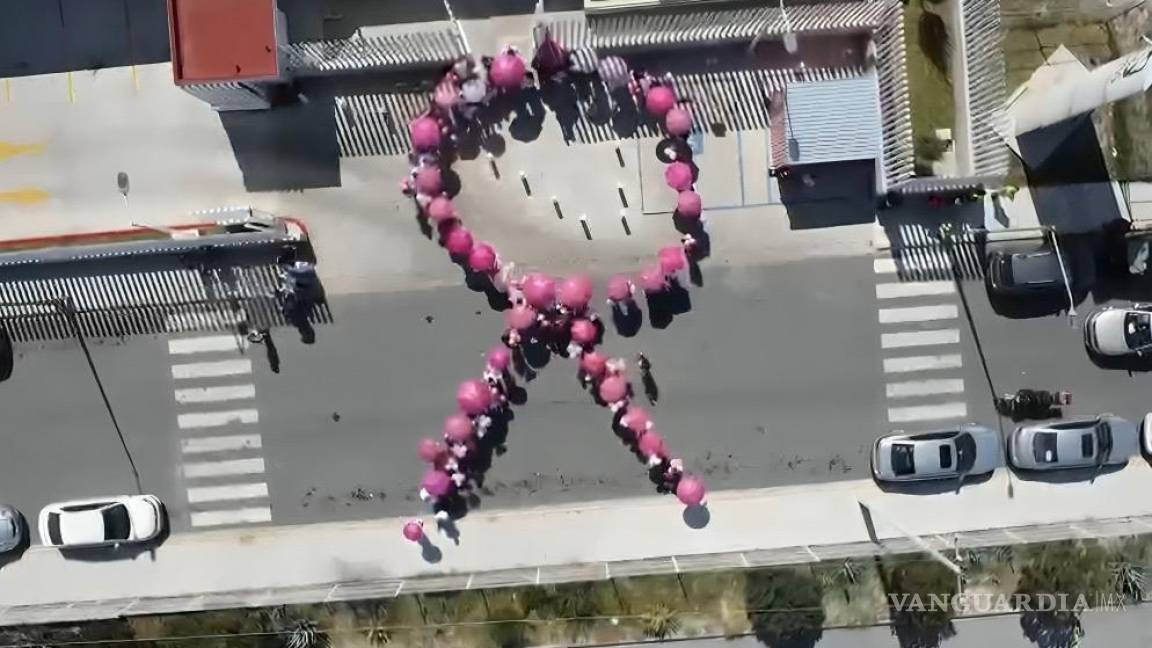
pixel 223 40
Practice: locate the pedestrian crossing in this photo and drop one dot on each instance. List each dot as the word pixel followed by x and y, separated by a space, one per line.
pixel 144 303
pixel 919 340
pixel 919 254
pixel 221 448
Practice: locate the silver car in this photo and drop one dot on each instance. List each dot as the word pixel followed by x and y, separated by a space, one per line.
pixel 1119 331
pixel 942 454
pixel 12 530
pixel 1060 445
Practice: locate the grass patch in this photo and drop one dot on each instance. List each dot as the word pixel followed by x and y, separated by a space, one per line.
pixel 930 90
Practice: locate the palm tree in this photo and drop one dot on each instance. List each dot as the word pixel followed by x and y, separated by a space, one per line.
pixel 660 621
pixel 578 606
pixel 377 631
pixel 785 606
pixel 842 576
pixel 1128 580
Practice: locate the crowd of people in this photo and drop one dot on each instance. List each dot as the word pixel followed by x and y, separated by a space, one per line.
pixel 558 316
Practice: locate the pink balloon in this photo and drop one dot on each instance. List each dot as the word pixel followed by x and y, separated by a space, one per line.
pixel 482 258
pixel 425 133
pixel 441 209
pixel 593 364
pixel 651 444
pixel 521 317
pixel 583 331
pixel 458 428
pixel 637 419
pixel 678 175
pixel 539 290
pixel 437 483
pixel 499 358
pixel 507 71
pixel 429 181
pixel 659 100
pixel 672 259
pixel 678 121
pixel 613 388
pixel 689 204
pixel 619 288
pixel 575 292
pixel 413 531
pixel 459 241
pixel 652 279
pixel 690 491
pixel 473 397
pixel 431 450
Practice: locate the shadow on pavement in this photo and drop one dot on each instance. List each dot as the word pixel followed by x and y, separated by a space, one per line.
pixel 933 487
pixel 828 195
pixel 1068 476
pixel 697 517
pixel 289 147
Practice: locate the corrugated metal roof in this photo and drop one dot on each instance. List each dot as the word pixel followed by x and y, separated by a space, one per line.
pixel 833 121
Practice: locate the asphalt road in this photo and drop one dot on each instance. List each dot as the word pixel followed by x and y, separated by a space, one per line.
pixel 1129 628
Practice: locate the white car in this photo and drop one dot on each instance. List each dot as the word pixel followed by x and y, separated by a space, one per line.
pixel 1119 331
pixel 1058 445
pixel 122 519
pixel 967 450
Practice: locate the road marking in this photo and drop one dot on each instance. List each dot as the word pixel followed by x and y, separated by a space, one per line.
pixel 922 363
pixel 224 468
pixel 927 412
pixel 215 394
pixel 216 419
pixel 914 289
pixel 234 516
pixel 884 266
pixel 220 443
pixel 918 314
pixel 225 493
pixel 211 369
pixel 925 387
pixel 205 344
pixel 919 338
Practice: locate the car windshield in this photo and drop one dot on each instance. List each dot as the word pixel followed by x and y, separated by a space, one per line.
pixel 1104 438
pixel 1087 445
pixel 1044 448
pixel 117 525
pixel 902 463
pixel 54 529
pixel 965 452
pixel 1138 330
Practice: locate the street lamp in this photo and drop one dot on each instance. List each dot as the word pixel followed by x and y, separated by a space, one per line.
pixel 790 43
pixel 66 307
pixel 1064 274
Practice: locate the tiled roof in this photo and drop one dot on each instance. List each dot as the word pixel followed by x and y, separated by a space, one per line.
pixel 833 121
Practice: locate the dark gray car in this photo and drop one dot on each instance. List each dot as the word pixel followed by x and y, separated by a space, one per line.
pixel 1025 273
pixel 12 529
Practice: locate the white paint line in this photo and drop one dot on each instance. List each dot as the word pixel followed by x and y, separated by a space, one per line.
pixel 220 443
pixel 918 314
pixel 224 468
pixel 922 363
pixel 225 493
pixel 884 266
pixel 212 369
pixel 924 387
pixel 215 394
pixel 914 289
pixel 919 338
pixel 216 419
pixel 927 412
pixel 206 344
pixel 234 516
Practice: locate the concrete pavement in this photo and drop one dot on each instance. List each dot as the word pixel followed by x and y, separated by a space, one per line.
pixel 350 560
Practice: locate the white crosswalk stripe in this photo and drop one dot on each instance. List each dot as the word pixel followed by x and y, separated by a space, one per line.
pixel 221 447
pixel 928 388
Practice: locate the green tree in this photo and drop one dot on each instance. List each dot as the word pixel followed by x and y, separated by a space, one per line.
pixel 785 607
pixel 1073 571
pixel 507 626
pixel 911 585
pixel 576 607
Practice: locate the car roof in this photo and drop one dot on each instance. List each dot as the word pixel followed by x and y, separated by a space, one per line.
pixel 1036 267
pixel 82 527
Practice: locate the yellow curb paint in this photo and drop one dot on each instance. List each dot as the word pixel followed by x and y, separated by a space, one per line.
pixel 10 150
pixel 25 196
pixel 8 90
pixel 135 79
pixel 71 89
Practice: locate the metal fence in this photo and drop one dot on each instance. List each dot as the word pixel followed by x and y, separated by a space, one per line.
pixel 986 87
pixel 552 574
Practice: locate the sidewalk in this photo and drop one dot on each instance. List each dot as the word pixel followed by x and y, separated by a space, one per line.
pixel 591 540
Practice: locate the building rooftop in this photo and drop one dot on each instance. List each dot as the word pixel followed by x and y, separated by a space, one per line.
pixel 223 40
pixel 833 121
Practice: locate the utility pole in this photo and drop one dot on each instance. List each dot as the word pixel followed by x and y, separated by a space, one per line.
pixel 66 307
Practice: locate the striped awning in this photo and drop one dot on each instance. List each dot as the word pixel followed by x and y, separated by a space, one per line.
pixel 393 51
pixel 926 186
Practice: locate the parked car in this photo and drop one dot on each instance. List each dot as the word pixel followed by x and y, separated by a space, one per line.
pixel 12 529
pixel 1114 331
pixel 1059 445
pixel 943 454
pixel 1146 435
pixel 1035 273
pixel 121 519
pixel 6 359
